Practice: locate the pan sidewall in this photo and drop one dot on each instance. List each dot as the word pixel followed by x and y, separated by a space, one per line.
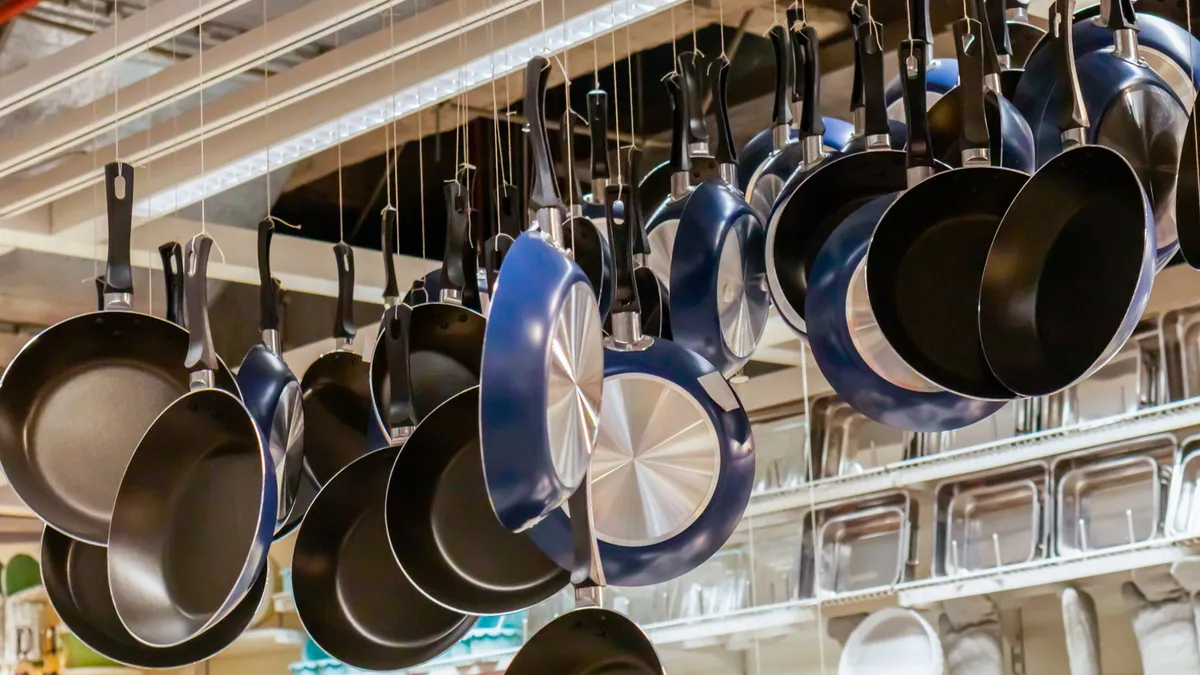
pixel 264 379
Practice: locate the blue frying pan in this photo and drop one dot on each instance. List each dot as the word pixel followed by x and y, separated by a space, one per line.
pixel 269 389
pixel 853 356
pixel 543 368
pixel 674 464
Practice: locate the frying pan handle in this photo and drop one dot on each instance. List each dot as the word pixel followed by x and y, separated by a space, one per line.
pixel 396 324
pixel 391 287
pixel 172 262
pixel 1071 111
pixel 914 55
pixel 641 243
pixel 620 235
pixel 967 44
pixel 586 570
pixel 870 45
pixel 100 293
pixel 918 23
pixel 567 133
pixel 511 219
pixel 118 185
pixel 991 62
pixel 781 43
pixel 597 100
pixel 858 16
pixel 796 44
pixel 811 122
pixel 1118 15
pixel 996 13
pixel 681 161
pixel 726 151
pixel 195 287
pixel 493 256
pixel 544 192
pixel 268 296
pixel 343 326
pixel 453 275
pixel 689 80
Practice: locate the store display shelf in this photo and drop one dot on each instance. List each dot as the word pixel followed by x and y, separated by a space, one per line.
pixel 935 468
pixel 260 641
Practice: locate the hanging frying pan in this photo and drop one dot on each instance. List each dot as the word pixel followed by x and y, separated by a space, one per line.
pixel 673 466
pixel 996 12
pixel 582 237
pixel 941 74
pixel 270 390
pixel 196 509
pixel 776 137
pixel 814 203
pixel 720 304
pixel 1138 114
pixel 1012 140
pixel 926 257
pixel 1070 269
pixel 336 389
pixel 588 640
pixel 853 356
pixel 543 364
pixel 351 597
pixel 897 129
pixel 172 260
pixel 446 339
pixel 108 374
pixel 75 575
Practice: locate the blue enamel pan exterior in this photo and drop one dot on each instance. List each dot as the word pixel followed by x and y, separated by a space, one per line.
pixel 266 383
pixel 839 358
pixel 719 252
pixel 682 551
pixel 942 76
pixel 838 133
pixel 535 285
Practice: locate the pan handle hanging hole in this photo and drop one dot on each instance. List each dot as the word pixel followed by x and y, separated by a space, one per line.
pixel 119 187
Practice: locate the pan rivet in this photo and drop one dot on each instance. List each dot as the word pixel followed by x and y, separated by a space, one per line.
pixel 445 325
pixel 462 318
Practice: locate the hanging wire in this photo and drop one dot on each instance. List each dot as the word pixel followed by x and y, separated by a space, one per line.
pixel 812 490
pixel 629 76
pixel 617 87
pixel 341 194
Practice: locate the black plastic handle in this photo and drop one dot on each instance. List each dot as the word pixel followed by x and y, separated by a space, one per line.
pixel 689 71
pixel 913 56
pixel 390 218
pixel 567 138
pixel 811 121
pixel 100 294
pixel 118 186
pixel 641 243
pixel 858 17
pixel 343 324
pixel 781 42
pixel 586 568
pixel 268 299
pixel 453 276
pixel 726 151
pixel 597 100
pixel 996 14
pixel 512 219
pixel 620 236
pixel 918 22
pixel 543 194
pixel 968 46
pixel 870 40
pixel 799 72
pixel 195 288
pixel 991 61
pixel 680 160
pixel 1072 114
pixel 1118 15
pixel 396 325
pixel 494 251
pixel 172 262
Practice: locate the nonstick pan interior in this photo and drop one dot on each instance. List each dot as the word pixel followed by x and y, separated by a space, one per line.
pixel 337 410
pixel 588 641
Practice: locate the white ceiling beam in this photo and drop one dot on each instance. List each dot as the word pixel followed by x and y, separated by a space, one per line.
pixel 127 36
pixel 223 61
pixel 281 96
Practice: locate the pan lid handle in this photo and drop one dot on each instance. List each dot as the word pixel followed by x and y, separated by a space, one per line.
pixel 200 355
pixel 268 286
pixel 811 122
pixel 688 64
pixel 544 192
pixel 587 574
pixel 172 261
pixel 858 16
pixel 620 235
pixel 597 100
pixel 390 218
pixel 641 243
pixel 913 59
pixel 397 322
pixel 681 159
pixel 870 47
pixel 1072 116
pixel 725 152
pixel 973 137
pixel 118 276
pixel 781 43
pixel 344 329
pixel 453 277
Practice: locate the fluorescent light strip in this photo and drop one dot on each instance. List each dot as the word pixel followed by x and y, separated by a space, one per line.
pixel 413 99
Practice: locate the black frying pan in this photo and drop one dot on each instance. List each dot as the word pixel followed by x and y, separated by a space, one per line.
pixel 77 398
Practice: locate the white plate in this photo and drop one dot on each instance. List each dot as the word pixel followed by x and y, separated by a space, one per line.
pixel 893 641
